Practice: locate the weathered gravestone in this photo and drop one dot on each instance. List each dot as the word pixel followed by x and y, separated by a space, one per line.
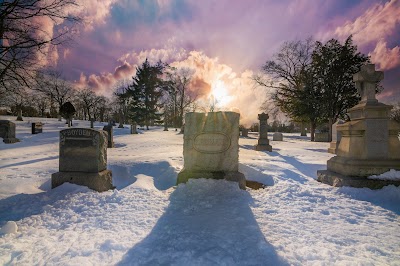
pixel 336 137
pixel 134 129
pixel 303 131
pixel 109 129
pixel 369 143
pixel 321 137
pixel 7 132
pixel 37 127
pixel 211 147
pixel 245 132
pixel 263 141
pixel 278 136
pixel 83 159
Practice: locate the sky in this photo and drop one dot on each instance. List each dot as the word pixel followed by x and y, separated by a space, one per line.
pixel 225 41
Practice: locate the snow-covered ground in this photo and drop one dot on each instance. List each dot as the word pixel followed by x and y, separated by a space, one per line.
pixel 148 221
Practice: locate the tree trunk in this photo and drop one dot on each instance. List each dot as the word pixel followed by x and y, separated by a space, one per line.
pixel 313 125
pixel 330 123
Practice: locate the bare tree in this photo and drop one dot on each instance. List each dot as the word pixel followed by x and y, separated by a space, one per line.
pixel 89 101
pixel 180 97
pixel 24 39
pixel 52 85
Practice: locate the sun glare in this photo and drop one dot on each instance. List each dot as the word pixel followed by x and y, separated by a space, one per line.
pixel 220 93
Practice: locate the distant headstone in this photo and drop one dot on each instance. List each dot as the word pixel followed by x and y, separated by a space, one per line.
pixel 110 135
pixel 369 143
pixel 336 137
pixel 245 132
pixel 92 123
pixel 321 137
pixel 19 117
pixel 211 147
pixel 7 132
pixel 278 136
pixel 263 141
pixel 134 129
pixel 83 159
pixel 37 127
pixel 303 129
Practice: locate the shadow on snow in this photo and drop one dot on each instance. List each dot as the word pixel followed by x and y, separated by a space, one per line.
pixel 206 223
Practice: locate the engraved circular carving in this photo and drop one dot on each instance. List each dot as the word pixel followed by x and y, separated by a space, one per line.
pixel 211 142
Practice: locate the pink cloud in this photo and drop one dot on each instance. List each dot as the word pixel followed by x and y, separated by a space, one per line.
pixel 385 57
pixel 377 23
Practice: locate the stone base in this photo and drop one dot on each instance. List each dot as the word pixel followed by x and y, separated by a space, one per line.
pixel 338 180
pixel 184 176
pixel 101 181
pixel 361 168
pixel 11 140
pixel 333 147
pixel 260 147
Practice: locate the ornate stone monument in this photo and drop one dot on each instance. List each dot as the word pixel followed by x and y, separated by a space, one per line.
pixel 211 147
pixel 263 141
pixel 83 159
pixel 369 143
pixel 7 132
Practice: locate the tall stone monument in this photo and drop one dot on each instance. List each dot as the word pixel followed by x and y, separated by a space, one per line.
pixel 369 143
pixel 83 159
pixel 211 147
pixel 7 132
pixel 263 142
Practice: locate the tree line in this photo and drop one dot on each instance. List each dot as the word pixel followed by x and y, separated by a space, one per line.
pixel 312 82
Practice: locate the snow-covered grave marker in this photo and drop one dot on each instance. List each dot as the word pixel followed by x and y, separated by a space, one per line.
pixel 211 147
pixel 7 131
pixel 83 159
pixel 263 141
pixel 369 143
pixel 109 129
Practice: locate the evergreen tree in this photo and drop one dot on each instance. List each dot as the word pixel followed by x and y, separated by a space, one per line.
pixel 145 92
pixel 334 65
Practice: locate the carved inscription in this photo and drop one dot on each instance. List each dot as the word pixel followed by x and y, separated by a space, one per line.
pixel 79 134
pixel 213 142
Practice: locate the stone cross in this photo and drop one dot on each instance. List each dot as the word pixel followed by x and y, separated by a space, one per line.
pixel 366 80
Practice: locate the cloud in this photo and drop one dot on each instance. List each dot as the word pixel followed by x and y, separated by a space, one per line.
pixel 377 23
pixel 207 72
pixel 385 57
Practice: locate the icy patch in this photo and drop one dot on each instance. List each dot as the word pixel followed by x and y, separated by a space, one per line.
pixel 390 175
pixel 9 228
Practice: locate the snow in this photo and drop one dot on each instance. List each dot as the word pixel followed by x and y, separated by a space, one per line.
pixel 390 175
pixel 147 220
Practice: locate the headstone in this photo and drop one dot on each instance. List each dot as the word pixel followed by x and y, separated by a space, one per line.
pixel 211 147
pixel 19 117
pixel 110 135
pixel 83 159
pixel 278 136
pixel 121 123
pixel 303 129
pixel 263 141
pixel 37 127
pixel 134 129
pixel 7 132
pixel 369 143
pixel 321 137
pixel 336 137
pixel 245 132
pixel 92 123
